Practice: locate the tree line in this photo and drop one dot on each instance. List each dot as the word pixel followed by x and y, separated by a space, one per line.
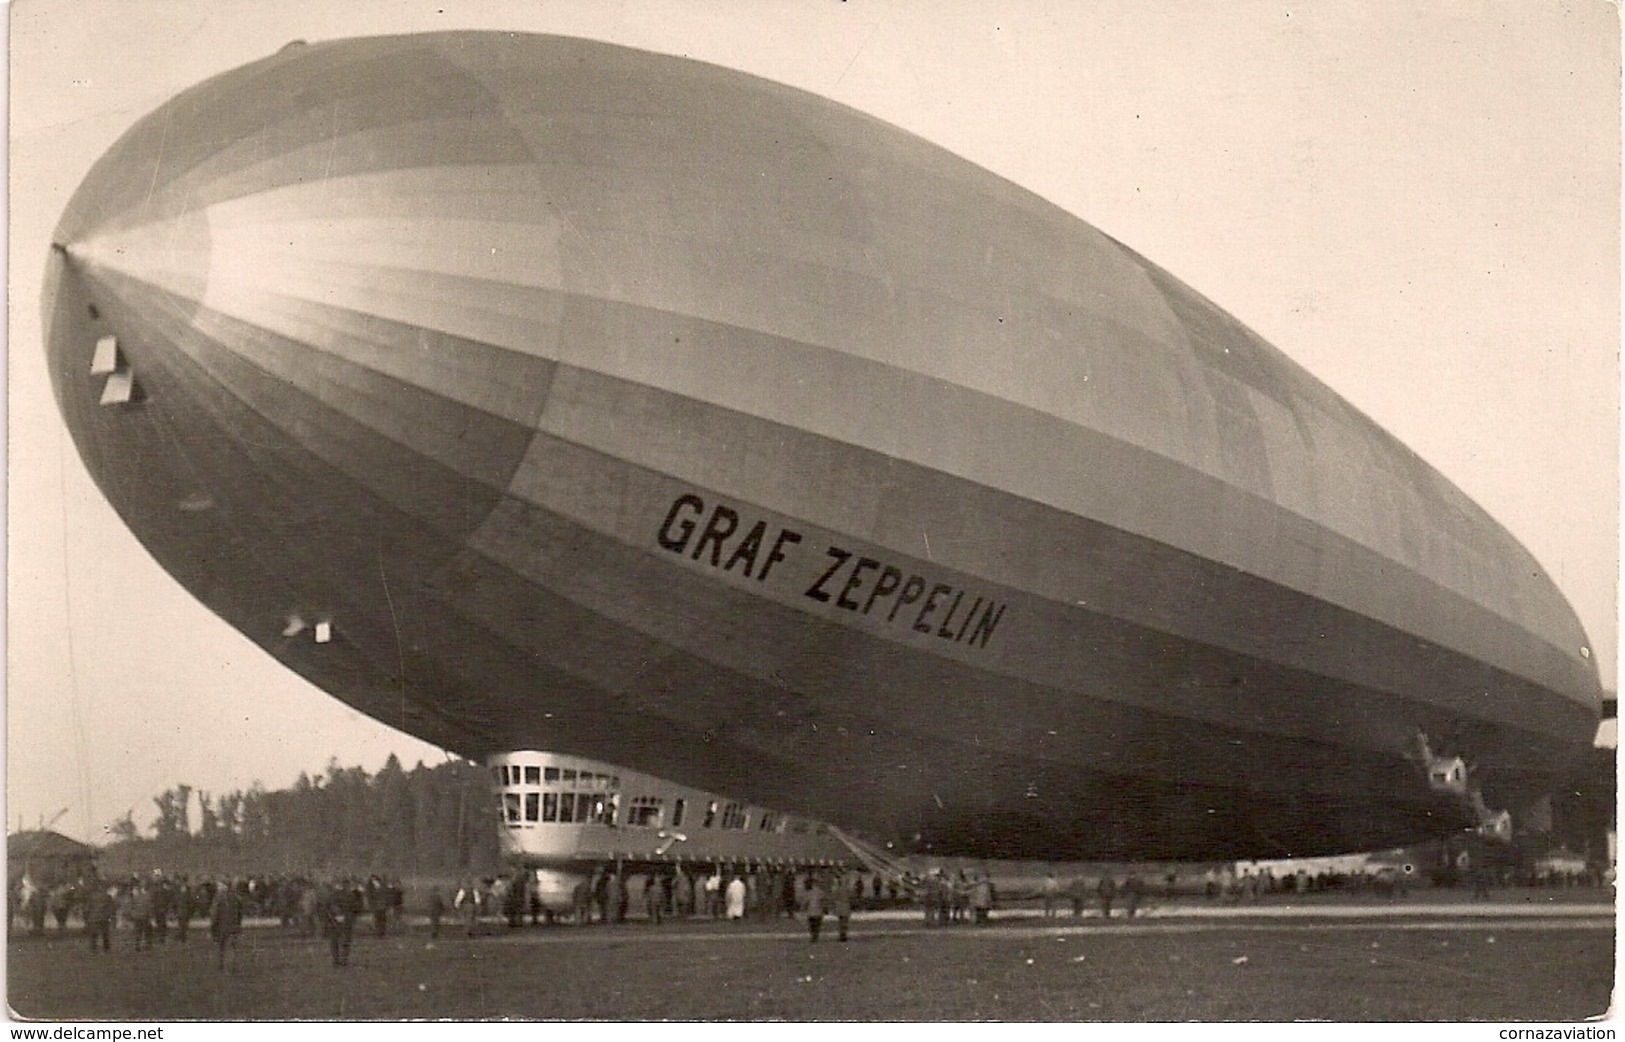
pixel 442 821
pixel 429 821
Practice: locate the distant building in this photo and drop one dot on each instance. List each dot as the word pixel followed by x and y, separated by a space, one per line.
pixel 46 857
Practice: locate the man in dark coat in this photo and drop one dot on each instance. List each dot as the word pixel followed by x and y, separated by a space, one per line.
pixel 814 903
pixel 467 903
pixel 581 900
pixel 99 910
pixel 654 903
pixel 138 909
pixel 1106 890
pixel 1132 891
pixel 437 911
pixel 378 903
pixel 513 901
pixel 981 899
pixel 340 908
pixel 787 894
pixel 163 899
pixel 226 921
pixel 185 907
pixel 840 904
pixel 62 899
pixel 600 894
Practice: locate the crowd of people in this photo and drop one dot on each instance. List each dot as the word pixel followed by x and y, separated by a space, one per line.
pixel 957 898
pixel 155 908
pixel 161 908
pixel 738 895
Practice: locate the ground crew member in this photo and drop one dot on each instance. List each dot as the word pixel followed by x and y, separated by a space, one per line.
pixel 513 901
pixel 139 911
pixel 226 920
pixel 1052 891
pixel 600 894
pixel 813 904
pixel 1106 889
pixel 654 902
pixel 184 899
pixel 581 901
pixel 467 902
pixel 99 910
pixel 339 913
pixel 163 896
pixel 378 905
pixel 437 909
pixel 840 905
pixel 981 899
pixel 713 894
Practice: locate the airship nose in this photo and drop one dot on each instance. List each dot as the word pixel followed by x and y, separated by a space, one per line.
pixel 269 408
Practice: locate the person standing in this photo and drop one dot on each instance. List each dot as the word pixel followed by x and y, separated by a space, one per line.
pixel 653 900
pixel 62 899
pixel 947 899
pixel 226 921
pixel 378 904
pixel 1052 893
pixel 682 895
pixel 713 894
pixel 754 898
pixel 31 899
pixel 1105 890
pixel 139 911
pixel 1481 878
pixel 163 898
pixel 1132 888
pixel 581 901
pixel 787 895
pixel 736 898
pixel 513 901
pixel 961 897
pixel 437 912
pixel 840 906
pixel 184 907
pixel 1078 891
pixel 310 909
pixel 340 910
pixel 467 903
pixel 600 894
pixel 99 911
pixel 981 899
pixel 814 903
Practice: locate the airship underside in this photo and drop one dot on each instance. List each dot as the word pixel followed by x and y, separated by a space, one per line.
pixel 525 392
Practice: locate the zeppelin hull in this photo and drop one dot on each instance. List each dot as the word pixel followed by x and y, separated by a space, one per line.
pixel 608 403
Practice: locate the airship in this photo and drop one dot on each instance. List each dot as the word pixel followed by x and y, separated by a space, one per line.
pixel 533 393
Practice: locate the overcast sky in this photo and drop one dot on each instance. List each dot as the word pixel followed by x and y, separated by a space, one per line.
pixel 1419 203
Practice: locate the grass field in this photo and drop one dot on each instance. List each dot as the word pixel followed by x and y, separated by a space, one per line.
pixel 1431 970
